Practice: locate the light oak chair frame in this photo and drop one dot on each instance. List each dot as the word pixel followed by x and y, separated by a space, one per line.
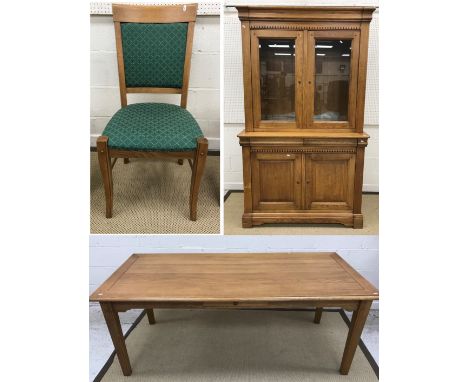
pixel 108 156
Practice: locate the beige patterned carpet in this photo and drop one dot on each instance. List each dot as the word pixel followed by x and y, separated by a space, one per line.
pixel 234 346
pixel 152 196
pixel 234 207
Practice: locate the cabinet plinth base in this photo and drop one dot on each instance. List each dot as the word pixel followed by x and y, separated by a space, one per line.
pixel 247 221
pixel 358 221
pixel 258 218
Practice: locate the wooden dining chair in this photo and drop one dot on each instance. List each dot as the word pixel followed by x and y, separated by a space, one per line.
pixel 154 48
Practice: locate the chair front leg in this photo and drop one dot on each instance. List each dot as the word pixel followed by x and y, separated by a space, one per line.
pixel 197 173
pixel 106 172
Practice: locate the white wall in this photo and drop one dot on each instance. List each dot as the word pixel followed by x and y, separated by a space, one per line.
pixel 203 97
pixel 234 101
pixel 108 252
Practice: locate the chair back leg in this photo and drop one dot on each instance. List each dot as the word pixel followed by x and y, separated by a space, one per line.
pixel 106 172
pixel 197 173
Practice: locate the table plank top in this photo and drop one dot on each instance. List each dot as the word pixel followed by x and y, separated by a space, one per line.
pixel 238 277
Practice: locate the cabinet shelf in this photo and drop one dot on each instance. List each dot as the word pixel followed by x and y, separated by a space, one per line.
pixel 302 133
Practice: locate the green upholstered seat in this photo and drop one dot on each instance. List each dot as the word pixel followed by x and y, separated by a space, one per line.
pixel 153 127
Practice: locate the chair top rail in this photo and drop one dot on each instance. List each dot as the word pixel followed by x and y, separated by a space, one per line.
pixel 179 13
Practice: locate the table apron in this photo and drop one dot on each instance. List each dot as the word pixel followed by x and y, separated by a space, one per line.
pixel 120 306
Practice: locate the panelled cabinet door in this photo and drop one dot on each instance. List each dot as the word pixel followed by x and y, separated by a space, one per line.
pixel 277 65
pixel 331 73
pixel 276 181
pixel 329 181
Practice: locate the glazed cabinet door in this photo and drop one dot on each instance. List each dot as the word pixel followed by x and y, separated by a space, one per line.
pixel 277 65
pixel 329 181
pixel 331 75
pixel 276 181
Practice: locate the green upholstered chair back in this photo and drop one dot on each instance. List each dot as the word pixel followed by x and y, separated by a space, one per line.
pixel 154 46
pixel 154 54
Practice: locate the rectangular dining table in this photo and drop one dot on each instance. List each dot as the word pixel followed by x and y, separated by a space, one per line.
pixel 235 281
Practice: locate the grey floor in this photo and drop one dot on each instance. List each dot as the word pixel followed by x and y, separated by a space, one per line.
pixel 100 344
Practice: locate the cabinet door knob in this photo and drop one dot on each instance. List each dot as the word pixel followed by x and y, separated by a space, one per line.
pixel 308 181
pixel 298 182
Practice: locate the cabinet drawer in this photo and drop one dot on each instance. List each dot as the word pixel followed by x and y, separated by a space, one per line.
pixel 340 142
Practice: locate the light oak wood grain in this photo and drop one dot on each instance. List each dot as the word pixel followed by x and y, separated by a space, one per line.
pixel 180 13
pixel 247 75
pixel 305 13
pixel 302 134
pixel 243 277
pixel 276 181
pixel 325 183
pixel 235 281
pixel 126 13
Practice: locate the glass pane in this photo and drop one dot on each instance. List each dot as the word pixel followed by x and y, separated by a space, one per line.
pixel 277 79
pixel 332 71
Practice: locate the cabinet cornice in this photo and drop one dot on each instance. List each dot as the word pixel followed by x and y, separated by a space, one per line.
pixel 291 13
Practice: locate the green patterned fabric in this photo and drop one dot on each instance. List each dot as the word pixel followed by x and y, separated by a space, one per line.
pixel 153 127
pixel 154 54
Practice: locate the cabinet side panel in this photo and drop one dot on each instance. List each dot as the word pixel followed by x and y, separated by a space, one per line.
pixel 362 75
pixel 359 172
pixel 245 29
pixel 247 179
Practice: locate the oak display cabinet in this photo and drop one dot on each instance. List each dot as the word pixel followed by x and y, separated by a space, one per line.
pixel 304 89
